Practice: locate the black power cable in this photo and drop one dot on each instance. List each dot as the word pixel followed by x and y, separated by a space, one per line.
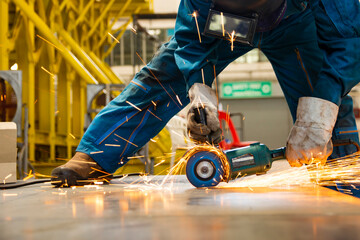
pixel 21 183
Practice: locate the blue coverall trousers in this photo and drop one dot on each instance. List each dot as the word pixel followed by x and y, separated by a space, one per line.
pixel 159 90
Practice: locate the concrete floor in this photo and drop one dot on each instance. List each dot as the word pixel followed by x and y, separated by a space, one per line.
pixel 176 210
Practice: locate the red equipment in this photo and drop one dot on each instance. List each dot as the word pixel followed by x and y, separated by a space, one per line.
pixel 227 143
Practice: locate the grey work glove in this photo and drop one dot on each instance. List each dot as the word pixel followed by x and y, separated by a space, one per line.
pixel 310 137
pixel 202 96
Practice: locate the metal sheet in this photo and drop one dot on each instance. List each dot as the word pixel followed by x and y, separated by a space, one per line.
pixel 176 210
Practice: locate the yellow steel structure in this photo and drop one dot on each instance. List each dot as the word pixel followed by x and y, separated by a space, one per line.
pixel 60 45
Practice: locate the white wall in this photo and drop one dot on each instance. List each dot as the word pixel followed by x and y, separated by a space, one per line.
pixel 267 120
pixel 166 6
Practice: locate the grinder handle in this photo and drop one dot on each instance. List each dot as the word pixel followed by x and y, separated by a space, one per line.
pixel 200 115
pixel 278 153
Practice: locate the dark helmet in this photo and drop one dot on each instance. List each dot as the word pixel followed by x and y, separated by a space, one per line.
pixel 270 12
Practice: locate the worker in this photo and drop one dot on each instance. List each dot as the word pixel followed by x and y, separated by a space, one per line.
pixel 314 48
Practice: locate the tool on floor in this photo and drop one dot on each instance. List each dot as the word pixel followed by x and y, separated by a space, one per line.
pixel 206 169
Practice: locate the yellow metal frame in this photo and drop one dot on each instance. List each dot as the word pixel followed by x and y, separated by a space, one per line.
pixel 4 23
pixel 60 47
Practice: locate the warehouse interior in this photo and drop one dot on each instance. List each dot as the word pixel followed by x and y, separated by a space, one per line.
pixel 62 62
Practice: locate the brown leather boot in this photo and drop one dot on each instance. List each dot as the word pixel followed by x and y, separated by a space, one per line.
pixel 80 170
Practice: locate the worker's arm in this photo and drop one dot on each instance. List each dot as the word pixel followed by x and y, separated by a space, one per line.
pixel 195 59
pixel 338 29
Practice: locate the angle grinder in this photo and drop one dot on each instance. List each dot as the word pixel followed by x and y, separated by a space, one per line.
pixel 207 168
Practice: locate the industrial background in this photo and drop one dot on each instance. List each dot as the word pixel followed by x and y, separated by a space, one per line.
pixel 62 61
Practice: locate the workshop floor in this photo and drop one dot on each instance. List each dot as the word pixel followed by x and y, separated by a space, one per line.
pixel 176 210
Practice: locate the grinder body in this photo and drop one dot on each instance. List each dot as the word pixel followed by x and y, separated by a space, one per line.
pixel 253 159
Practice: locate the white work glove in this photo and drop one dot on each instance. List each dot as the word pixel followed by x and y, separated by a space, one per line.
pixel 202 96
pixel 310 137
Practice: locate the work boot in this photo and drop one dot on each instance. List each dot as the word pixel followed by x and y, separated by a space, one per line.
pixel 80 170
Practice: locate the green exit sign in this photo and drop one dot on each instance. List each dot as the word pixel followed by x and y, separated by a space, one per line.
pixel 246 89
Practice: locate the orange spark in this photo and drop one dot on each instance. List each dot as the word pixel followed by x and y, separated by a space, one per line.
pixel 154 115
pixel 112 145
pixel 97 152
pixel 10 194
pixel 222 23
pixel 28 177
pixel 98 170
pixel 197 25
pixel 232 39
pixel 344 171
pixel 159 163
pixel 202 75
pixel 125 140
pixel 42 175
pixel 177 97
pixel 49 42
pixel 72 136
pixel 135 157
pixel 133 30
pixel 48 72
pixel 202 104
pixel 8 176
pixel 133 106
pixel 114 38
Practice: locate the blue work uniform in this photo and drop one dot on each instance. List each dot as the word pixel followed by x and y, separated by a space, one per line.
pixel 315 51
